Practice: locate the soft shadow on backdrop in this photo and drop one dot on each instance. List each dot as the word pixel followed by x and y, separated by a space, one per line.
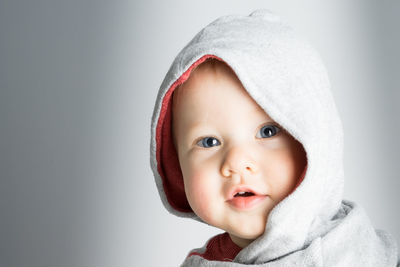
pixel 78 81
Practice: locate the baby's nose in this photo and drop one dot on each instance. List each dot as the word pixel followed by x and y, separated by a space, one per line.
pixel 239 161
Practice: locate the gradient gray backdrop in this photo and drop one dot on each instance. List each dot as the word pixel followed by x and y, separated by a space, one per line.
pixel 78 81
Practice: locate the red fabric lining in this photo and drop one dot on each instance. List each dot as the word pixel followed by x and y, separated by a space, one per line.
pixel 166 155
pixel 220 248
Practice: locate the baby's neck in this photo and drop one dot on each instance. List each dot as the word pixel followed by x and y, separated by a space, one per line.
pixel 241 242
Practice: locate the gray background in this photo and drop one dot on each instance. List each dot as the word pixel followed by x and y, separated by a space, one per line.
pixel 78 81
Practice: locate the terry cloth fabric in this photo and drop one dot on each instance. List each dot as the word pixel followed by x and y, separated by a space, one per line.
pixel 314 225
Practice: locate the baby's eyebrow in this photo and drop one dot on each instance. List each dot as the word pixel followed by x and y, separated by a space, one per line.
pixel 201 126
pixel 257 108
pixel 259 112
pixel 197 127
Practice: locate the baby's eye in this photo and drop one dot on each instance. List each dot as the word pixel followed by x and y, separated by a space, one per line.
pixel 208 142
pixel 268 131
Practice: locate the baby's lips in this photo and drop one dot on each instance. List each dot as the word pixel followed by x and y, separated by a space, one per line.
pixel 241 188
pixel 246 203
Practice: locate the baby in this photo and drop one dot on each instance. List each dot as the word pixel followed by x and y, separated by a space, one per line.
pixel 237 163
pixel 246 138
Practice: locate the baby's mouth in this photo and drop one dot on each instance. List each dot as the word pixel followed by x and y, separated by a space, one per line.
pixel 245 200
pixel 243 194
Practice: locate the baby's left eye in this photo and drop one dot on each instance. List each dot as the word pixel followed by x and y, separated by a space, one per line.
pixel 208 142
pixel 268 131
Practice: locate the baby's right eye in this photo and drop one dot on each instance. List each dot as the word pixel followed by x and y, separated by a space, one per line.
pixel 208 142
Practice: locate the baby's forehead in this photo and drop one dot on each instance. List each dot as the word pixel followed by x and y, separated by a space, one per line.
pixel 209 70
pixel 198 105
pixel 213 83
pixel 206 74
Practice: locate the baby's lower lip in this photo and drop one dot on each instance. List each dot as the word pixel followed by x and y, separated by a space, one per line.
pixel 246 203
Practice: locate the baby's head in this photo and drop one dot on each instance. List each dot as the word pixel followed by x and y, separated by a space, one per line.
pixel 226 143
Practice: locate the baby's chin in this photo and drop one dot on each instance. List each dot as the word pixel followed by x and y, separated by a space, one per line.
pixel 243 227
pixel 249 229
pixel 249 235
pixel 246 231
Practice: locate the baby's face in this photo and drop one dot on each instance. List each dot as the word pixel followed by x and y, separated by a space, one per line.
pixel 224 141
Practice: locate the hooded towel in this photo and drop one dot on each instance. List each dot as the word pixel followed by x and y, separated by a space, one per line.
pixel 313 226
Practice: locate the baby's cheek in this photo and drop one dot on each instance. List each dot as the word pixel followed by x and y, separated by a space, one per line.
pixel 285 174
pixel 200 196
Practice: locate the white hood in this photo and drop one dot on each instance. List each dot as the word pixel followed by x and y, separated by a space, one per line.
pixel 313 226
